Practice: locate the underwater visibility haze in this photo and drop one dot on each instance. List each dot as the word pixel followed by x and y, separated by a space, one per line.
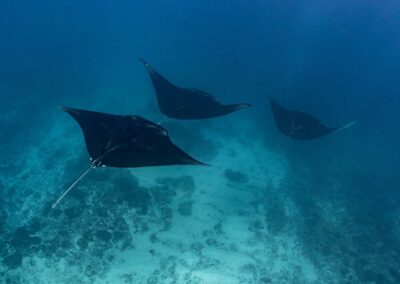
pixel 285 197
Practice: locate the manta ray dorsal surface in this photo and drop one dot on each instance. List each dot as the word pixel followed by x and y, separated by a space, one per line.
pixel 187 103
pixel 126 141
pixel 300 125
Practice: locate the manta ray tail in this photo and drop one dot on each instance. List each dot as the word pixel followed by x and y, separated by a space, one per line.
pixel 72 186
pixel 234 107
pixel 348 125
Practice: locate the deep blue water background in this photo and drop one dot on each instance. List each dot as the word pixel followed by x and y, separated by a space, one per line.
pixel 339 60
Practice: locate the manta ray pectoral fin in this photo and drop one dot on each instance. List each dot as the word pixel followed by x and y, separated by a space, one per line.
pixel 199 163
pixel 115 141
pixel 147 65
pixel 71 111
pixel 142 60
pixel 62 108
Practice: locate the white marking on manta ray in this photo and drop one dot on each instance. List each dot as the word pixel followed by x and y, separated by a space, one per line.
pixel 162 120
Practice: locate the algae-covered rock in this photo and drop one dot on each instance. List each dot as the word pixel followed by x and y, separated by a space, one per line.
pixel 103 235
pixel 13 261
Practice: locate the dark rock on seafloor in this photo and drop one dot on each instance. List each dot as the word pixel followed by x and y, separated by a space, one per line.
pixel 82 243
pixel 3 219
pixel 21 233
pixel 72 212
pixel 185 208
pixel 34 225
pixel 103 235
pixel 117 235
pixel 22 239
pixel 13 261
pixel 128 190
pixel 265 280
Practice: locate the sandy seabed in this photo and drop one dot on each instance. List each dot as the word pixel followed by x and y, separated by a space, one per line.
pixel 235 221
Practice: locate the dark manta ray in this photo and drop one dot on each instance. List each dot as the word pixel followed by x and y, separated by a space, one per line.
pixel 182 103
pixel 125 141
pixel 300 125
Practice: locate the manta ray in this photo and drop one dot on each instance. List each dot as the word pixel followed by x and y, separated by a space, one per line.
pixel 187 103
pixel 300 125
pixel 125 141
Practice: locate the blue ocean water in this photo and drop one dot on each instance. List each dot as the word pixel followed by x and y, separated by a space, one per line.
pixel 269 209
